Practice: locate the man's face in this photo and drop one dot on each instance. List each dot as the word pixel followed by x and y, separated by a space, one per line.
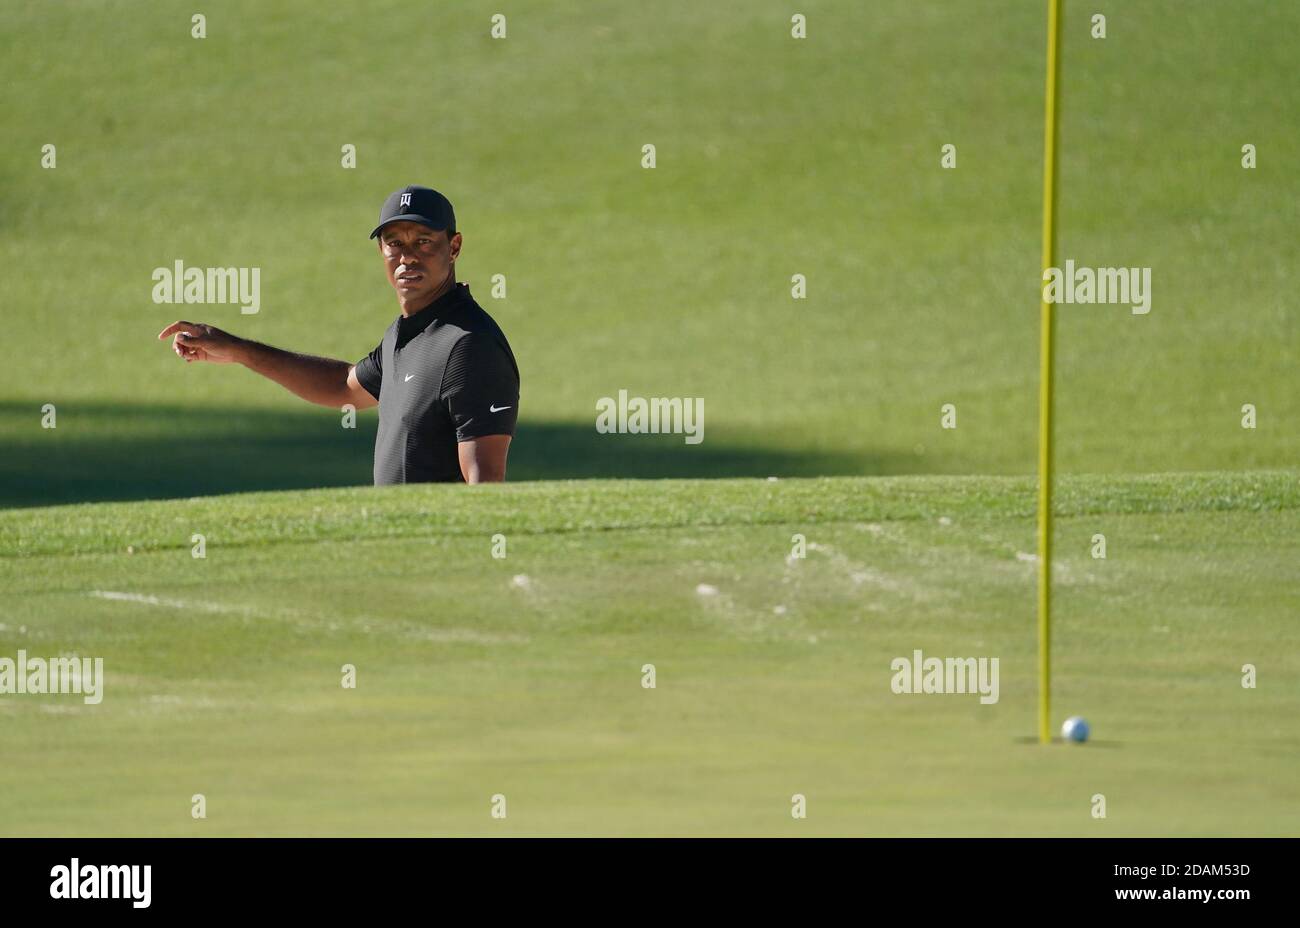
pixel 418 261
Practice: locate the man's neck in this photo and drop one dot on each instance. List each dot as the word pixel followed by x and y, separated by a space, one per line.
pixel 411 307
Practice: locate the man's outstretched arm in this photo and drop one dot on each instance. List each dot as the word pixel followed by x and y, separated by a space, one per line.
pixel 324 381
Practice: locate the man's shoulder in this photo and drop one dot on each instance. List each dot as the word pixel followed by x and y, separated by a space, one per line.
pixel 476 340
pixel 470 316
pixel 471 324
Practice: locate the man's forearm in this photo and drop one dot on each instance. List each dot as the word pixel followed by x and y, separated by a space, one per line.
pixel 317 380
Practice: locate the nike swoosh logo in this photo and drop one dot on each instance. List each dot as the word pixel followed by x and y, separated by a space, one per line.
pixel 497 408
pixel 408 377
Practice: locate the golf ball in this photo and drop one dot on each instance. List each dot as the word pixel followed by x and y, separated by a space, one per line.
pixel 1075 729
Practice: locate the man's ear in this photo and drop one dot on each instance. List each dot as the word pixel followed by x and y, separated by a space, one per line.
pixel 455 246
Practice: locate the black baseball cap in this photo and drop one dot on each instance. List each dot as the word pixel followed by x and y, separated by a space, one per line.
pixel 417 204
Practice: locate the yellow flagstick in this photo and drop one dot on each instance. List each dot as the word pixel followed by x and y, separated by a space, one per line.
pixel 1047 334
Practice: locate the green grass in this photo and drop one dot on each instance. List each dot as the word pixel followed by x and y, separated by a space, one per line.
pixel 470 684
pixel 775 157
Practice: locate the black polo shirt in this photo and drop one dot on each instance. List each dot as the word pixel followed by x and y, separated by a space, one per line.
pixel 443 375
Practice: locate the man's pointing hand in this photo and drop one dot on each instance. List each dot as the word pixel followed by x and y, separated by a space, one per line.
pixel 196 341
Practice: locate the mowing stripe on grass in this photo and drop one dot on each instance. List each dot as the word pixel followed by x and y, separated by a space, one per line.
pixel 193 604
pixel 366 624
pixel 434 511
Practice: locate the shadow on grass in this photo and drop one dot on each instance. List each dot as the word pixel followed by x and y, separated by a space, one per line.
pixel 1094 742
pixel 107 451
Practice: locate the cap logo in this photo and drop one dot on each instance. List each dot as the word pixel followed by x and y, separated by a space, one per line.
pixel 406 200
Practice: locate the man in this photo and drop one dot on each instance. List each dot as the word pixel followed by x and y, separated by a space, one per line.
pixel 444 376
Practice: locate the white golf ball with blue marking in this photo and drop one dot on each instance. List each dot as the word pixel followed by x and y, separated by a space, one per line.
pixel 1075 729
